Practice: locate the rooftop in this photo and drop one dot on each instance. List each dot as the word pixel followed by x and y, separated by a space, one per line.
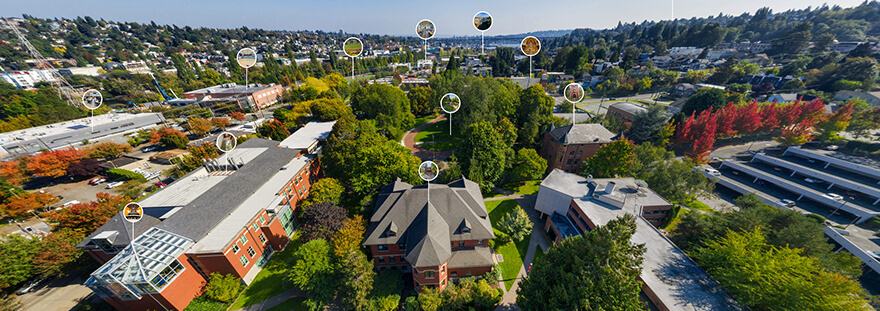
pixel 233 88
pixel 82 124
pixel 632 108
pixel 304 137
pixel 581 134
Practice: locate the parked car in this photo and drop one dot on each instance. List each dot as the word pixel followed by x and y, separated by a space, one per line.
pixel 115 184
pixel 160 184
pixel 811 160
pixel 97 181
pixel 148 148
pixel 72 202
pixel 813 180
pixel 786 202
pixel 31 285
pixel 833 196
pixel 712 172
pixel 832 147
pixel 760 182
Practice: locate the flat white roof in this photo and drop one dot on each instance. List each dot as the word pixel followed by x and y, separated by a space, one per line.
pixel 69 126
pixel 308 135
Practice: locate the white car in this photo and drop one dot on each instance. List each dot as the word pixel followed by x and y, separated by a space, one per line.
pixel 114 184
pixel 833 196
pixel 70 203
pixel 712 172
pixel 832 147
pixel 786 202
pixel 813 180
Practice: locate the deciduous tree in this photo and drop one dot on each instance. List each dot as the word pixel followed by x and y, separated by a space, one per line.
pixel 223 287
pixel 313 271
pixel 726 119
pixel 220 123
pixel 20 205
pixel 107 150
pixel 348 238
pixel 57 251
pixel 704 136
pixel 325 190
pixel 684 130
pixel 237 115
pixel 356 279
pixel 835 123
pixel 748 119
pixel 274 130
pixel 611 160
pixel 528 165
pixel 198 126
pixel 483 154
pixel 322 221
pixel 15 171
pixel 53 163
pixel 516 224
pixel 600 268
pixel 87 217
pixel 17 259
pixel 421 99
pixel 169 137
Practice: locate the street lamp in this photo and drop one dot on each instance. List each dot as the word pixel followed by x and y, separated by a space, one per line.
pixel 837 209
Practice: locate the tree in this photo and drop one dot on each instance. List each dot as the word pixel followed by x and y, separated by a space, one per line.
pixel 528 165
pixel 704 136
pixel 516 224
pixel 377 100
pixel 223 287
pixel 534 112
pixel 57 250
pixel 325 109
pixel 348 238
pixel 321 221
pixel 748 119
pixel 131 188
pixel 684 130
pixel 704 99
pixel 15 171
pixel 325 190
pixel 822 43
pixel 378 165
pixel 237 115
pixel 798 133
pixel 831 125
pixel 599 268
pixel 220 123
pixel 16 259
pixel 107 150
pixel 611 160
pixel 356 279
pixel 313 271
pixel 749 269
pixel 169 138
pixel 85 218
pixel 421 99
pixel 665 134
pixel 725 119
pixel 273 130
pixel 20 205
pixel 483 154
pixel 647 124
pixel 864 121
pixel 53 163
pixel 198 126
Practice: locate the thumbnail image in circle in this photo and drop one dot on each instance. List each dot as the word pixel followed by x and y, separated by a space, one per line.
pixel 574 92
pixel 428 170
pixel 353 47
pixel 425 29
pixel 92 99
pixel 531 46
pixel 226 142
pixel 246 58
pixel 133 212
pixel 483 21
pixel 450 103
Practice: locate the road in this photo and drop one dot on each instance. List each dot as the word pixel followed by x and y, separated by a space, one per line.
pixel 727 152
pixel 59 294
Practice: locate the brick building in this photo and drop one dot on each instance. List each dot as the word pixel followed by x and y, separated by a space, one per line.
pixel 253 96
pixel 624 111
pixel 565 147
pixel 574 205
pixel 227 217
pixel 433 242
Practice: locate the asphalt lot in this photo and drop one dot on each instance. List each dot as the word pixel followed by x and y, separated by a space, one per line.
pixel 61 293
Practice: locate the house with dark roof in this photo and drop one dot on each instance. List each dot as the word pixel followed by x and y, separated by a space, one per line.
pixel 228 216
pixel 574 205
pixel 435 235
pixel 566 147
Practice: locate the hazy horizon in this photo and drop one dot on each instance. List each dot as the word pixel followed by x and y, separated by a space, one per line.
pixel 381 16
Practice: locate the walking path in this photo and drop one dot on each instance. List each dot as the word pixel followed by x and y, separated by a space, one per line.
pixel 274 301
pixel 536 239
pixel 409 141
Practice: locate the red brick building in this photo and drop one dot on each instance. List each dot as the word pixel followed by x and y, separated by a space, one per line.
pixel 227 217
pixel 434 242
pixel 566 147
pixel 254 96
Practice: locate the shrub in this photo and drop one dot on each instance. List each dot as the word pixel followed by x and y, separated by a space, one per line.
pixel 857 145
pixel 223 287
pixel 821 220
pixel 501 238
pixel 123 174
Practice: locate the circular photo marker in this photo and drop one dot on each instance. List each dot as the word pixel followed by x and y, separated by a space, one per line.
pixel 226 142
pixel 92 99
pixel 353 47
pixel 573 92
pixel 133 212
pixel 450 103
pixel 429 171
pixel 246 57
pixel 483 21
pixel 425 29
pixel 530 46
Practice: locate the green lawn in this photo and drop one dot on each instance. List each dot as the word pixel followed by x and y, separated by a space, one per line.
pixel 269 282
pixel 693 203
pixel 526 188
pixel 423 120
pixel 443 146
pixel 440 132
pixel 513 253
pixel 367 77
pixel 674 223
pixel 539 252
pixel 295 304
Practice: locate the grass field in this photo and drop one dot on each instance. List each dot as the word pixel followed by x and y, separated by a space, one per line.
pixel 353 48
pixel 269 282
pixel 358 78
pixel 423 120
pixel 440 130
pixel 292 304
pixel 513 253
pixel 526 188
pixel 441 146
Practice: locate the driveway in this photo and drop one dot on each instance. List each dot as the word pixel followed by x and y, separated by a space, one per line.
pixel 60 294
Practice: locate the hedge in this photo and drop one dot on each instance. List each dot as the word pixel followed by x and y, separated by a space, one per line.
pixel 123 174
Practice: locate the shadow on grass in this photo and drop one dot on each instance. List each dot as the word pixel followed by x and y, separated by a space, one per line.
pixel 270 281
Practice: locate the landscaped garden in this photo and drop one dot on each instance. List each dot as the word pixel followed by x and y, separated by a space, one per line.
pixel 511 252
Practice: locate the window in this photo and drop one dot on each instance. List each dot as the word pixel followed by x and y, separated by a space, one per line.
pixel 571 154
pixel 415 273
pixel 429 274
pixel 243 260
pixel 381 259
pixel 401 246
pixel 468 272
pixel 443 269
pixel 243 239
pixel 262 219
pixel 580 152
pixel 453 273
pixel 382 247
pixel 235 248
pixel 255 226
pixel 391 259
pixel 465 230
pixel 480 242
pixel 568 163
pixel 251 252
pixel 263 238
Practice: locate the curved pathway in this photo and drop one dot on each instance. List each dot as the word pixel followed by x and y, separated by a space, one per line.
pixel 409 141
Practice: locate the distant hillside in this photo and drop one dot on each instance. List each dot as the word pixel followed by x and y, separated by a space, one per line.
pixel 539 34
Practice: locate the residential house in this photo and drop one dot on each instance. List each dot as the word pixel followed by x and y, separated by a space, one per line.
pixel 872 98
pixel 227 217
pixel 434 237
pixel 684 90
pixel 566 147
pixel 574 205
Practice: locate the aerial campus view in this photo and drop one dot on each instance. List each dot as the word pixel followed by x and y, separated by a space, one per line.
pixel 298 156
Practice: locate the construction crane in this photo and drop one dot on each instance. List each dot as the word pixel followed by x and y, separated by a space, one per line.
pixel 18 86
pixel 162 91
pixel 65 90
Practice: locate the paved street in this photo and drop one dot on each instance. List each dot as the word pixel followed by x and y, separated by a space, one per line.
pixel 59 294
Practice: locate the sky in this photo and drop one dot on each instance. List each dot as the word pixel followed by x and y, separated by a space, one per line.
pixel 451 17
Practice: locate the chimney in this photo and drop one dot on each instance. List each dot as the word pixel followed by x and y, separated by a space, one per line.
pixel 609 187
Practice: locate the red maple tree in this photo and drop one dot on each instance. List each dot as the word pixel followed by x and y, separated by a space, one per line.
pixel 156 136
pixel 704 129
pixel 21 205
pixel 15 171
pixel 53 163
pixel 238 115
pixel 798 133
pixel 88 217
pixel 683 130
pixel 769 119
pixel 726 118
pixel 57 250
pixel 748 119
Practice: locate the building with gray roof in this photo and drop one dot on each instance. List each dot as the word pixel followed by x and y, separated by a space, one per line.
pixel 309 137
pixel 566 147
pixel 574 205
pixel 625 111
pixel 438 240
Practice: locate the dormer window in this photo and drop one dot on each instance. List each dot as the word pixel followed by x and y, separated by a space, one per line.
pixel 465 230
pixel 392 230
pixel 465 226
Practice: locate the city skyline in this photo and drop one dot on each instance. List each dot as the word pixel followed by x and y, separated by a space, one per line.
pixel 389 18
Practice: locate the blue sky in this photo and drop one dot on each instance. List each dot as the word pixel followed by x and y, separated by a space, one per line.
pixel 452 17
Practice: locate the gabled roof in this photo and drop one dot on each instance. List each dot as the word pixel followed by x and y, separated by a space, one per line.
pixel 428 228
pixel 581 134
pixel 123 227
